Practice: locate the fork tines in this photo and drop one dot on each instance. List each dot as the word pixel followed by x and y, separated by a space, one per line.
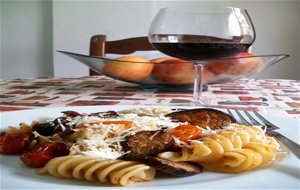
pixel 245 118
pixel 270 125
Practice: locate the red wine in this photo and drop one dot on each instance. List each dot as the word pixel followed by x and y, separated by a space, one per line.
pixel 193 47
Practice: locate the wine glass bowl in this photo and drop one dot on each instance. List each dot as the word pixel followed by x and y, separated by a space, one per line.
pixel 200 34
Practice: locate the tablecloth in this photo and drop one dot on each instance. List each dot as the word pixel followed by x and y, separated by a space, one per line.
pixel 272 96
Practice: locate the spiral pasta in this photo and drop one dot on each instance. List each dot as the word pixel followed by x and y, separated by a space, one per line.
pixel 235 149
pixel 117 172
pixel 23 127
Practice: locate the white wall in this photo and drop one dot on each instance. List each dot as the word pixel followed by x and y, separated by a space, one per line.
pixel 26 29
pixel 75 22
pixel 26 39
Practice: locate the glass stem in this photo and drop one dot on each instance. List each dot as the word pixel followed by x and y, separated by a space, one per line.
pixel 198 81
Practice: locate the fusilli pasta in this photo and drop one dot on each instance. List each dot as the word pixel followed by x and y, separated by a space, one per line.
pixel 23 127
pixel 234 149
pixel 117 172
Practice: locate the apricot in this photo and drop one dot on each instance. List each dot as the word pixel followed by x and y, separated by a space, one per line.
pixel 128 68
pixel 160 59
pixel 242 66
pixel 177 72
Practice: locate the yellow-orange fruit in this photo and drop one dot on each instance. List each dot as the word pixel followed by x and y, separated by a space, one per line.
pixel 160 59
pixel 242 66
pixel 129 68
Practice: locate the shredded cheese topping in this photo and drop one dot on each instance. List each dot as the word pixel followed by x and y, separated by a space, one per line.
pixel 101 137
pixel 104 140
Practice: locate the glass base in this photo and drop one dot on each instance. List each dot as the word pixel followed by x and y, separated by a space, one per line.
pixel 203 102
pixel 151 88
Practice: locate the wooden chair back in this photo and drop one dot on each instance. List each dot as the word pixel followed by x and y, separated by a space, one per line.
pixel 99 46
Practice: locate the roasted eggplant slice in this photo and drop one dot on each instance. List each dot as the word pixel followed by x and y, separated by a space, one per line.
pixel 70 113
pixel 59 125
pixel 148 142
pixel 165 166
pixel 107 114
pixel 203 117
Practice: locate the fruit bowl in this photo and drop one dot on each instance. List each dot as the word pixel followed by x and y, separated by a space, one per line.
pixel 156 70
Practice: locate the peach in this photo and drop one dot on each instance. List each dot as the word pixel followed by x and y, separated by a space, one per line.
pixel 177 72
pixel 208 76
pixel 160 59
pixel 173 71
pixel 236 66
pixel 129 68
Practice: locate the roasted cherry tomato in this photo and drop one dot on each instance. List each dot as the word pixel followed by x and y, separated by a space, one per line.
pixel 186 133
pixel 14 143
pixel 42 153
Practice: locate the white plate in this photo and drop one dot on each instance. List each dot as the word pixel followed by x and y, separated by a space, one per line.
pixel 284 175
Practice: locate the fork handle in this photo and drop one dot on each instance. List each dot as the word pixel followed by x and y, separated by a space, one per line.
pixel 291 145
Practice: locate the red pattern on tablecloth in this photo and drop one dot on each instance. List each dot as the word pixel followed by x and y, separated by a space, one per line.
pixel 274 96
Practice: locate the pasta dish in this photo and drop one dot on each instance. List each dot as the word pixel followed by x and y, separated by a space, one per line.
pixel 129 146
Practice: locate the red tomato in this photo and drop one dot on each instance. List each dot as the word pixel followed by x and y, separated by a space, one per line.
pixel 42 153
pixel 14 143
pixel 186 133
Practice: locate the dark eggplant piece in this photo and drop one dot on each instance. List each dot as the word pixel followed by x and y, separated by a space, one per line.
pixel 56 126
pixel 71 113
pixel 107 114
pixel 169 167
pixel 203 117
pixel 148 142
pixel 45 129
pixel 2 133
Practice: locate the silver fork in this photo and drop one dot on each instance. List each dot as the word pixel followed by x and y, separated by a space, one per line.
pixel 268 127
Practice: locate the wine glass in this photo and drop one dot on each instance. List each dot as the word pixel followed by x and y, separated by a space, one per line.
pixel 201 34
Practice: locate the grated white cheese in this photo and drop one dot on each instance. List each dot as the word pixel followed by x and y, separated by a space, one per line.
pixel 35 134
pixel 104 140
pixel 63 128
pixel 181 143
pixel 150 111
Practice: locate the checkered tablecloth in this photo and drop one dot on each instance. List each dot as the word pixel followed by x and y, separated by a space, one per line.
pixel 274 96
